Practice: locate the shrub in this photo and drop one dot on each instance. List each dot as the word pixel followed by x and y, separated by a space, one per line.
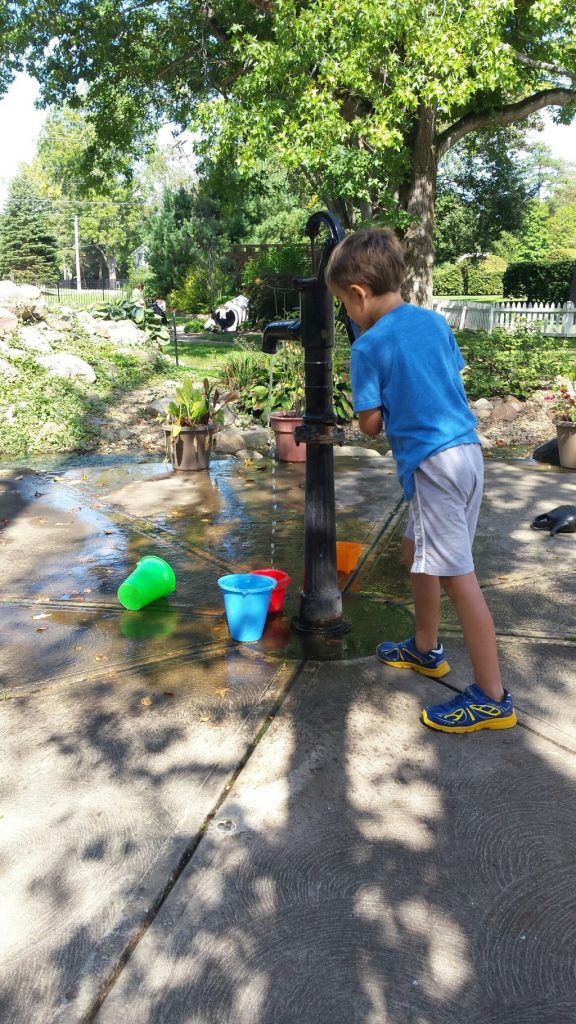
pixel 249 374
pixel 448 280
pixel 513 362
pixel 484 277
pixel 194 326
pixel 539 282
pixel 267 280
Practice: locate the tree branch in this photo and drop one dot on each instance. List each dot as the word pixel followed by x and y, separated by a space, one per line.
pixel 524 59
pixel 503 115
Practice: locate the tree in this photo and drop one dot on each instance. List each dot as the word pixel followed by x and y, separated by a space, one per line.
pixel 28 247
pixel 109 210
pixel 361 98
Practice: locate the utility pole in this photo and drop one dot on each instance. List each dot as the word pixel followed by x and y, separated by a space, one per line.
pixel 77 249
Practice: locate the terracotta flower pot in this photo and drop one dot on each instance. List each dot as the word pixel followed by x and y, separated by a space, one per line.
pixel 566 431
pixel 191 449
pixel 283 424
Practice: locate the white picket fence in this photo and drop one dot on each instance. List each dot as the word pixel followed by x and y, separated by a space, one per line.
pixel 485 316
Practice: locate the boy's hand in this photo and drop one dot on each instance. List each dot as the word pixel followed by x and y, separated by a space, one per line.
pixel 370 422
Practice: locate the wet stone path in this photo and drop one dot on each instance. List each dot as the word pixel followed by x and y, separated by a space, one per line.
pixel 195 830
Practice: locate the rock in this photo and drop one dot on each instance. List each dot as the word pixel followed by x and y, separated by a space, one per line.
pixel 63 364
pixel 484 441
pixel 248 455
pixel 547 452
pixel 124 332
pixel 512 400
pixel 504 411
pixel 483 403
pixel 483 414
pixel 25 300
pixel 10 352
pixel 32 338
pixel 158 408
pixel 355 450
pixel 7 370
pixel 143 355
pixel 229 416
pixel 256 437
pixel 229 441
pixel 8 320
pixel 58 323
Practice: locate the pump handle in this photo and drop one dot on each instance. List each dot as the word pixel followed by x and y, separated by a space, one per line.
pixel 330 220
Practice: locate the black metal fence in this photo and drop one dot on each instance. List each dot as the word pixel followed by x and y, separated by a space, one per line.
pixel 65 293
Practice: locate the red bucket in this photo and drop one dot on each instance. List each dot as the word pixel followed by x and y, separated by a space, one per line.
pixel 282 582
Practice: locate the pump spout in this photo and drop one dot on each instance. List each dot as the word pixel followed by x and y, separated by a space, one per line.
pixel 279 330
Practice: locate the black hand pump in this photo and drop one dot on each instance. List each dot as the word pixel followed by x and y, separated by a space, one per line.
pixel 320 600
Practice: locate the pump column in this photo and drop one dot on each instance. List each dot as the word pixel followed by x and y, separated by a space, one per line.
pixel 321 600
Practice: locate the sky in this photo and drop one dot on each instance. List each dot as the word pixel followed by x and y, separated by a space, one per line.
pixel 20 125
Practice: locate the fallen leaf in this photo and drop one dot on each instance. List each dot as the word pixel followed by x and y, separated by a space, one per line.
pixel 101 657
pixel 41 629
pixel 43 615
pixel 146 701
pixel 19 478
pixel 87 590
pixel 221 691
pixel 168 693
pixel 205 718
pixel 77 647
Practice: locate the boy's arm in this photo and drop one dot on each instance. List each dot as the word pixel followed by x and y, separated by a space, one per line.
pixel 370 421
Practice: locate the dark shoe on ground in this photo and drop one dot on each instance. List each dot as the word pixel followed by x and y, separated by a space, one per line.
pixel 471 711
pixel 407 655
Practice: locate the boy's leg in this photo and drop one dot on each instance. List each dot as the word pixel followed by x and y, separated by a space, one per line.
pixel 426 595
pixel 478 631
pixel 421 652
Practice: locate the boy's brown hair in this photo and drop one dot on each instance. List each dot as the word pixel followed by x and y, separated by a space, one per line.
pixel 374 258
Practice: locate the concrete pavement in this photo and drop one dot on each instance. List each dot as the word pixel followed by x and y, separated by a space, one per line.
pixel 200 831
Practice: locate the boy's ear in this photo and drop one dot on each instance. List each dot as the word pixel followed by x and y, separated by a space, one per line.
pixel 360 291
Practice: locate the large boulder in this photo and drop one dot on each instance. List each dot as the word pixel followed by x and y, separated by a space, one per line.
pixel 124 332
pixel 25 300
pixel 63 364
pixel 33 338
pixel 8 321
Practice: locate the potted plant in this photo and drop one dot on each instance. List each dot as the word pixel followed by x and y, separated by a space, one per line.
pixel 192 421
pixel 564 413
pixel 285 403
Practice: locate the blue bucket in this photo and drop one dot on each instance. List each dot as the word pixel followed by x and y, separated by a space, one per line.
pixel 246 599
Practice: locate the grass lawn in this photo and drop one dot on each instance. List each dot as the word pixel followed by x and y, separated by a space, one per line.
pixel 200 357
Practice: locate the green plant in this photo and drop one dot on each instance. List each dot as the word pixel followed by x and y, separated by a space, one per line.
pixel 196 406
pixel 564 399
pixel 124 309
pixel 194 326
pixel 542 281
pixel 281 388
pixel 512 361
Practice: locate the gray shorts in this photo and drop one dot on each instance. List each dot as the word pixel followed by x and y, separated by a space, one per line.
pixel 444 510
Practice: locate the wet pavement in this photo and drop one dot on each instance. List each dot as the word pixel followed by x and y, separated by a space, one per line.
pixel 196 830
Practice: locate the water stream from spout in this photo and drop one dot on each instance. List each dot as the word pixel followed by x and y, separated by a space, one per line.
pixel 270 438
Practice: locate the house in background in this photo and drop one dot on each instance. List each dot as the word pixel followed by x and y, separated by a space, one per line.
pixel 140 257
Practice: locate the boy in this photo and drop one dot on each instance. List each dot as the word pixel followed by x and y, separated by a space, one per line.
pixel 405 369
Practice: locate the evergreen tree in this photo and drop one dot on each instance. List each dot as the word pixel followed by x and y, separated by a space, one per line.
pixel 28 247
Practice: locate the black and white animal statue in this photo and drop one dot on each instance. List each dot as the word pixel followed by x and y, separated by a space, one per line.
pixel 229 315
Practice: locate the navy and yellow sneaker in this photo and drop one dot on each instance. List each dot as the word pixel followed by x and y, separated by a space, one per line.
pixel 471 711
pixel 407 655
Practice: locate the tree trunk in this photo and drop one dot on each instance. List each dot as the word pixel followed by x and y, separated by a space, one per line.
pixel 418 198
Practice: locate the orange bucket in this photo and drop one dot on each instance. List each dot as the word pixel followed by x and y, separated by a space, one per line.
pixel 347 555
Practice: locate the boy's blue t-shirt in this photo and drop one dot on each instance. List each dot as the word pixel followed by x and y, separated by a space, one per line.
pixel 408 365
